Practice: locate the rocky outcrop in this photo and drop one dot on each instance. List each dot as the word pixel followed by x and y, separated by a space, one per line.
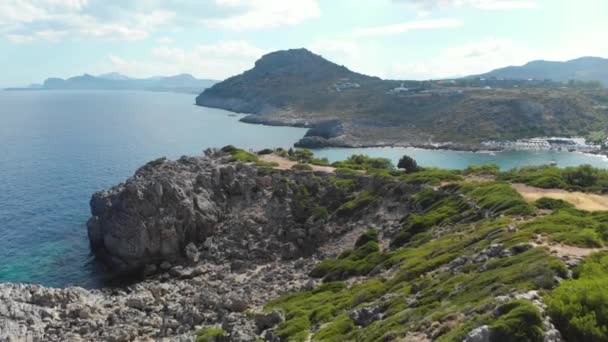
pixel 216 239
pixel 226 210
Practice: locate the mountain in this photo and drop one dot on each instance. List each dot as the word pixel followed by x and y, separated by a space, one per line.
pixel 115 81
pixel 346 108
pixel 580 69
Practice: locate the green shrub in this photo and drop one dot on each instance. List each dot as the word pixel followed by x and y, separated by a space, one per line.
pixel 498 197
pixel 483 169
pixel 359 261
pixel 519 321
pixel 362 200
pixel 431 175
pixel 369 235
pixel 572 227
pixel 346 171
pixel 265 151
pixel 552 203
pixel 320 213
pixel 579 307
pixel 210 334
pixel 583 177
pixel 240 155
pixel 302 167
pixel 363 162
pixel 343 184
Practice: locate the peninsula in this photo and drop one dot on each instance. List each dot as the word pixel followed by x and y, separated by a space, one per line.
pixel 346 108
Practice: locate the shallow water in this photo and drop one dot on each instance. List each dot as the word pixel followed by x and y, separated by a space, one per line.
pixel 57 148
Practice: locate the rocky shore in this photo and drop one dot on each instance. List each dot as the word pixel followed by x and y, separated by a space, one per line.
pixel 215 239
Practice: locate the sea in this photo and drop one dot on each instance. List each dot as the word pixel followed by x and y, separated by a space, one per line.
pixel 58 147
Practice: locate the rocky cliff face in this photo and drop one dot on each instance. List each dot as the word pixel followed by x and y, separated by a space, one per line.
pixel 170 208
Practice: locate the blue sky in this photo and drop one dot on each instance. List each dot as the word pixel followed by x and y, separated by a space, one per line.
pixel 399 39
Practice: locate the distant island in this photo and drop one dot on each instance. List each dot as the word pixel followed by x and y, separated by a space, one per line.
pixel 345 108
pixel 184 83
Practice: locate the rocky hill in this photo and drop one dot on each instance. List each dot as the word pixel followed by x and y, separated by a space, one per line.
pixel 299 88
pixel 114 81
pixel 234 248
pixel 580 69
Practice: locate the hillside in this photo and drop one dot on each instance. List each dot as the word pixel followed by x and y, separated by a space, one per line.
pixel 580 69
pixel 115 81
pixel 236 248
pixel 297 87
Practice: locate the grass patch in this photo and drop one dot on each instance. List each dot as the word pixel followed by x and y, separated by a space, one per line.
pixel 364 258
pixel 498 198
pixel 519 321
pixel 581 178
pixel 571 227
pixel 431 175
pixel 361 200
pixel 210 334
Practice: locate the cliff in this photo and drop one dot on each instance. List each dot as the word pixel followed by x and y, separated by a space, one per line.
pixel 235 248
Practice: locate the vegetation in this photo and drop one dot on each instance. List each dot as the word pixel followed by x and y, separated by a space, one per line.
pixel 580 178
pixel 240 154
pixel 408 164
pixel 302 167
pixel 431 277
pixel 552 204
pixel 572 227
pixel 519 321
pixel 210 334
pixel 579 307
pixel 360 201
pixel 362 162
pixel 360 261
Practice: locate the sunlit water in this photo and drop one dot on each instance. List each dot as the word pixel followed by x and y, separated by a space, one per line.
pixel 57 148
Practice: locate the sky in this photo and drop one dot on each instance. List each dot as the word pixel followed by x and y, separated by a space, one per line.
pixel 215 39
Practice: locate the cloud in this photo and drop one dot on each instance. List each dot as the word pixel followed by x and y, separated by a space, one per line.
pixel 407 27
pixel 468 59
pixel 165 40
pixel 24 21
pixel 263 14
pixel 218 61
pixel 492 5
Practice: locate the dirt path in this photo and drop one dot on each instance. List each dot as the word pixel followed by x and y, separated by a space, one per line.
pixel 286 164
pixel 561 250
pixel 581 200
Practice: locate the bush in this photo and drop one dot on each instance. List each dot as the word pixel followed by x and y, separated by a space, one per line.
pixel 362 200
pixel 519 321
pixel 408 164
pixel 552 203
pixel 363 162
pixel 579 307
pixel 498 197
pixel 302 167
pixel 320 213
pixel 265 151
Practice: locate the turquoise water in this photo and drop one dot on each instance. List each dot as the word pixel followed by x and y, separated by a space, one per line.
pixel 57 148
pixel 460 160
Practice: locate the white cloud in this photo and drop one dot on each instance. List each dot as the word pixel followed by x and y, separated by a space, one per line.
pixel 30 20
pixel 217 61
pixel 427 5
pixel 467 59
pixel 407 27
pixel 165 40
pixel 262 14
